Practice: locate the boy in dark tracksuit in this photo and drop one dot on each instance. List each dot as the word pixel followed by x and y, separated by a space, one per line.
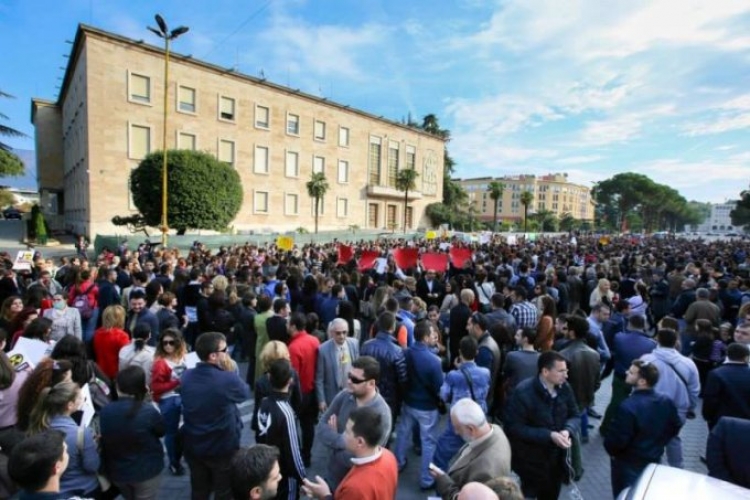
pixel 277 426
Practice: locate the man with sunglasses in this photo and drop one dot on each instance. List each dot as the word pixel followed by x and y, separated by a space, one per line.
pixel 361 391
pixel 211 432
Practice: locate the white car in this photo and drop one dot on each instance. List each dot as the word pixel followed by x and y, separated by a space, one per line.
pixel 658 482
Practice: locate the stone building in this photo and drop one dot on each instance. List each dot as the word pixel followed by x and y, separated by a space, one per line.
pixel 550 192
pixel 109 115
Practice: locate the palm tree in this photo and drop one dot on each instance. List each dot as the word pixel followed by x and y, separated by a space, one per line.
pixel 406 180
pixel 495 189
pixel 526 198
pixel 317 187
pixel 10 164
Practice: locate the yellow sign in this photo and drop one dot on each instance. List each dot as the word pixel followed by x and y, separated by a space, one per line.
pixel 430 235
pixel 604 240
pixel 285 242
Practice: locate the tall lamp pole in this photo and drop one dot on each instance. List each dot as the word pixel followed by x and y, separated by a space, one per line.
pixel 163 32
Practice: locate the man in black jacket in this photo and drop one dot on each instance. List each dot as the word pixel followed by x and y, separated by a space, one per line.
pixel 540 420
pixel 277 427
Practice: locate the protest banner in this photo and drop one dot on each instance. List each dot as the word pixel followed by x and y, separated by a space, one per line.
pixel 367 259
pixel 405 258
pixel 460 256
pixel 435 261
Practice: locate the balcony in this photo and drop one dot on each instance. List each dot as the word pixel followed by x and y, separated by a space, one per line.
pixel 391 192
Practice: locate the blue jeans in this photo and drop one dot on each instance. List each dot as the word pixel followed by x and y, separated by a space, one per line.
pixel 674 452
pixel 171 409
pixel 447 447
pixel 88 326
pixel 427 420
pixel 623 475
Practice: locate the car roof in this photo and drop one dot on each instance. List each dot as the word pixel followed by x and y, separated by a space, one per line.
pixel 661 481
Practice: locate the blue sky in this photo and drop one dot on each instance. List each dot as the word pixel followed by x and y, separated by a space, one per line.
pixel 587 87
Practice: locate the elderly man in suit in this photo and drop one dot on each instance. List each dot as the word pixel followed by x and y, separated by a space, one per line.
pixel 486 454
pixel 335 357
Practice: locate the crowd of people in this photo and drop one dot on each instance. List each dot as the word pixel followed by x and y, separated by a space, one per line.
pixel 358 359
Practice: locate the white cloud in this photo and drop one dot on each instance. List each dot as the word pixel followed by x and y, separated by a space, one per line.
pixel 578 160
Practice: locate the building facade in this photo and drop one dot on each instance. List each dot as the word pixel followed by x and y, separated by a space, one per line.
pixel 109 116
pixel 551 192
pixel 719 221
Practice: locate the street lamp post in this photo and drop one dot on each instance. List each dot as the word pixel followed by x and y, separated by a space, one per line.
pixel 163 32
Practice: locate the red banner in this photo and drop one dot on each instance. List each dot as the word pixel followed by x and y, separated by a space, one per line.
pixel 405 257
pixel 435 261
pixel 345 254
pixel 460 255
pixel 368 259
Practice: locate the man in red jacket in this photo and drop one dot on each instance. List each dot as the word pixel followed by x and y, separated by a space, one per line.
pixel 303 351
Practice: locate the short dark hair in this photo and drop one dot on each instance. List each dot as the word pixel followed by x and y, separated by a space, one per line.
pixel 137 294
pixel 279 373
pixel 31 462
pixel 208 343
pixel 498 300
pixel 666 337
pixel 737 352
pixel 670 323
pixel 647 371
pixel 369 366
pixel 298 321
pixel 520 292
pixel 548 359
pixel 622 306
pixel 422 330
pixel 579 326
pixel 479 319
pixel 367 423
pixel 637 321
pixel 279 304
pixel 250 468
pixel 468 348
pixel 391 305
pixel 386 322
pixel 530 333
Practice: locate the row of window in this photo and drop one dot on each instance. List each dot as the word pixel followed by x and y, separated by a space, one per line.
pixel 140 146
pixel 261 204
pixel 139 91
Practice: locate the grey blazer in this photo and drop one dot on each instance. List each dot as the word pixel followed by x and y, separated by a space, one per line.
pixel 327 373
pixel 488 460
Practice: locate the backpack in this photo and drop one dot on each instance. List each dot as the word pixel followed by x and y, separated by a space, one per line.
pixel 81 302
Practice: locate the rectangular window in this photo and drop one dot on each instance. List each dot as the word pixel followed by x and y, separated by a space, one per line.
pixel 140 142
pixel 262 117
pixel 226 151
pixel 292 124
pixel 373 161
pixel 291 204
pixel 343 172
pixel 261 160
pixel 292 164
pixel 392 163
pixel 342 207
pixel 319 133
pixel 226 108
pixel 344 137
pixel 411 157
pixel 260 202
pixel 187 141
pixel 186 99
pixel 372 215
pixel 319 165
pixel 140 88
pixel 390 217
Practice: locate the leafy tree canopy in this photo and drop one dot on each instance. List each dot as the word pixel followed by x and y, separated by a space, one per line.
pixel 203 192
pixel 10 164
pixel 741 213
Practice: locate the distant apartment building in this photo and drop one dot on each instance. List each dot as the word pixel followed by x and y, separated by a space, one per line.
pixel 109 116
pixel 550 192
pixel 719 220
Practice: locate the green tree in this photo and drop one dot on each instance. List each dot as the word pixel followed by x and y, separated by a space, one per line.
pixel 6 198
pixel 621 194
pixel 741 213
pixel 10 164
pixel 406 180
pixel 317 187
pixel 567 222
pixel 204 193
pixel 547 220
pixel 495 188
pixel 527 197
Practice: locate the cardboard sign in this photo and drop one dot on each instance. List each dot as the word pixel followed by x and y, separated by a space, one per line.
pixel 285 242
pixel 460 256
pixel 368 259
pixel 406 258
pixel 435 261
pixel 33 349
pixel 87 406
pixel 19 360
pixel 24 261
pixel 430 235
pixel 345 254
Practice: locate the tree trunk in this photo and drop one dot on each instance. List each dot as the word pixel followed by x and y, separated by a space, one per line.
pixel 525 218
pixel 317 201
pixel 406 202
pixel 494 220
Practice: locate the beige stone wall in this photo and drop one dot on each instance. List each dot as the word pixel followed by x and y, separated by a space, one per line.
pixel 110 112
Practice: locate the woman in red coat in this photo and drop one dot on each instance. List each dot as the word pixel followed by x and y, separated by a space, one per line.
pixel 109 339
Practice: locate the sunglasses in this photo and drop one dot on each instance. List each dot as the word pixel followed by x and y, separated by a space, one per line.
pixel 168 342
pixel 357 381
pixel 226 348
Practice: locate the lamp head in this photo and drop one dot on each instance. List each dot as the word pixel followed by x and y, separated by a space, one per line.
pixel 179 31
pixel 161 23
pixel 155 31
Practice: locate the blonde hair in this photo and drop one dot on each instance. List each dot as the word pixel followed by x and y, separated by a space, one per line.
pixel 271 352
pixel 52 402
pixel 114 317
pixel 220 283
pixel 467 296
